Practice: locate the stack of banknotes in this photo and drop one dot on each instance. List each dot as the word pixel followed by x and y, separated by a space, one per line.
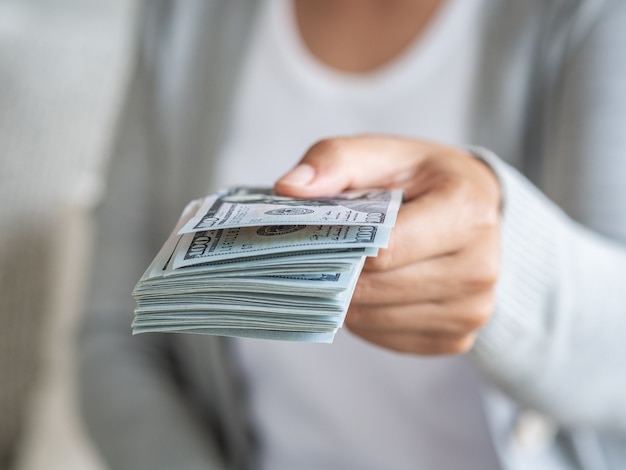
pixel 246 262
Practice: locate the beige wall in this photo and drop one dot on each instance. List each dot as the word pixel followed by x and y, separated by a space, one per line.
pixel 62 68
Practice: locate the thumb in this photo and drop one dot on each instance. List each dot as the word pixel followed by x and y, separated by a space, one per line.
pixel 334 165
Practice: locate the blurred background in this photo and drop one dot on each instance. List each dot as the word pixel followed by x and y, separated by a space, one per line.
pixel 63 66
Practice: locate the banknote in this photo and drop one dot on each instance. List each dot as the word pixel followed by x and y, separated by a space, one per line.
pixel 245 263
pixel 294 335
pixel 212 245
pixel 247 206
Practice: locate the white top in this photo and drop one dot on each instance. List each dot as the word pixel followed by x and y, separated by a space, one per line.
pixel 352 404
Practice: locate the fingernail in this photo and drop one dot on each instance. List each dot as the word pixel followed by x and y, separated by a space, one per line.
pixel 300 176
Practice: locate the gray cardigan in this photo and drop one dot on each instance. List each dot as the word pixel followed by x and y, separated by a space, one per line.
pixel 551 97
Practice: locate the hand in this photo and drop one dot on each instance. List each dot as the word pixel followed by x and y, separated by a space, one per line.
pixel 433 288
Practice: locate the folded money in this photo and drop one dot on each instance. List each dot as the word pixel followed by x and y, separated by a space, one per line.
pixel 246 262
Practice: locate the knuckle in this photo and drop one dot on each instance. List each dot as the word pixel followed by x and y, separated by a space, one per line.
pixel 478 313
pixel 460 346
pixel 481 209
pixel 473 320
pixel 484 210
pixel 445 345
pixel 481 267
pixel 483 274
pixel 333 147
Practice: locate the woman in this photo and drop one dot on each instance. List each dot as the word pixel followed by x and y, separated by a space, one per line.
pixel 480 260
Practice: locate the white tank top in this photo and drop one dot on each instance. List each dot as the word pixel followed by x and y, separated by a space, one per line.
pixel 352 405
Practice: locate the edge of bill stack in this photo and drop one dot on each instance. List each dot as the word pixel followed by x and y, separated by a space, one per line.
pixel 245 262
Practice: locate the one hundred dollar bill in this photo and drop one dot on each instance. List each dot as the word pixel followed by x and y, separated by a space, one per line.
pixel 245 262
pixel 211 245
pixel 245 207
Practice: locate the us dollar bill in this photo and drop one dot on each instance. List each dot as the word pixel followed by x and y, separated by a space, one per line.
pixel 248 206
pixel 212 245
pixel 252 264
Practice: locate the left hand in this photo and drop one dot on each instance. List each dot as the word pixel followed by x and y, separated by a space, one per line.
pixel 433 288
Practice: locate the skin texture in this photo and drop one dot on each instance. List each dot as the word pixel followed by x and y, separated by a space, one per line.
pixel 433 288
pixel 361 35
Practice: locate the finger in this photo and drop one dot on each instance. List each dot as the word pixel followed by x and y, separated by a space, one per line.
pixel 424 229
pixel 334 165
pixel 425 281
pixel 461 316
pixel 465 272
pixel 435 224
pixel 422 344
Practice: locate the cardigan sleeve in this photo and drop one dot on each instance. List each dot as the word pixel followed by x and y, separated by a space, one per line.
pixel 557 339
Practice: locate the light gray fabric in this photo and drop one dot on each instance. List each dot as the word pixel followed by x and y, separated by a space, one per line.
pixel 551 99
pixel 54 126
